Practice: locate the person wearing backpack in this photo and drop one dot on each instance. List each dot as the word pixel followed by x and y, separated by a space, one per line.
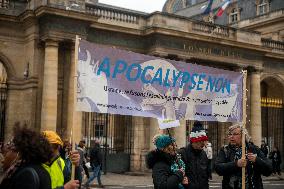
pixel 196 162
pixel 23 157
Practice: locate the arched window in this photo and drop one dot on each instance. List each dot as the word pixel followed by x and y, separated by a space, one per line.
pixel 263 7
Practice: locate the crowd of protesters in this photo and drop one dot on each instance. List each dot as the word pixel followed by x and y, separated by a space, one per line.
pixel 41 160
pixel 190 167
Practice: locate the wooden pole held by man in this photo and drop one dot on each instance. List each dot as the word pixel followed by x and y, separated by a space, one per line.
pixel 244 126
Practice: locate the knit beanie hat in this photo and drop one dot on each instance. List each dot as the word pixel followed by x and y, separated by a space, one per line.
pixel 162 141
pixel 198 133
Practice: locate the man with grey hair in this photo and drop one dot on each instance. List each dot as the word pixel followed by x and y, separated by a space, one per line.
pixel 229 162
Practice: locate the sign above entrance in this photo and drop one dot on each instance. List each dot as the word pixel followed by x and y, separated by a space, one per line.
pixel 121 82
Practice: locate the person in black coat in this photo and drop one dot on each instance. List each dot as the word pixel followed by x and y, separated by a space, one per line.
pixel 197 167
pixel 167 167
pixel 229 162
pixel 23 157
pixel 275 156
pixel 264 148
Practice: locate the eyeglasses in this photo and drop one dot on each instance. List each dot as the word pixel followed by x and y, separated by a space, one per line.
pixel 233 134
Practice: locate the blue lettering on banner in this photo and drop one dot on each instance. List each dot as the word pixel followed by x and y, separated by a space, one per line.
pixel 132 69
pixel 143 77
pixel 158 76
pixel 172 78
pixel 166 83
pixel 120 67
pixel 105 67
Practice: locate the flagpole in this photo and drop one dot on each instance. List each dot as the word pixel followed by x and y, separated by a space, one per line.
pixel 74 116
pixel 244 126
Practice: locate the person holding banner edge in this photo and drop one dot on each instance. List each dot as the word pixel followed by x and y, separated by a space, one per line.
pixel 168 168
pixel 229 162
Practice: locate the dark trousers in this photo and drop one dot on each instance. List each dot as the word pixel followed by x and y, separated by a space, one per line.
pixel 86 170
pixel 210 168
pixel 276 167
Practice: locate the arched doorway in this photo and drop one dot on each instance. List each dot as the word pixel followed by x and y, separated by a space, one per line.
pixel 272 110
pixel 3 98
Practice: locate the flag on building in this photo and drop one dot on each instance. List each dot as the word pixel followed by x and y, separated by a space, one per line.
pixel 223 7
pixel 208 7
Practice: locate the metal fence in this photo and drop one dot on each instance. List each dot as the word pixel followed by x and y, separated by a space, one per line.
pixel 115 133
pixel 272 120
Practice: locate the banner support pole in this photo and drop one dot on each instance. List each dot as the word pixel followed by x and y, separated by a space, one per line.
pixel 74 116
pixel 244 126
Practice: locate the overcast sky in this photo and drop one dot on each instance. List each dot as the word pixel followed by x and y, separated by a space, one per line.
pixel 148 6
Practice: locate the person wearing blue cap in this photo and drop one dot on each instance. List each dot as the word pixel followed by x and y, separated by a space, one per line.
pixel 168 170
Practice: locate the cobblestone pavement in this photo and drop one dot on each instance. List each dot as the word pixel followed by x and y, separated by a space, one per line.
pixel 144 181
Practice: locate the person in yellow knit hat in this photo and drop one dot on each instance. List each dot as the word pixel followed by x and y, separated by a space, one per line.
pixel 59 173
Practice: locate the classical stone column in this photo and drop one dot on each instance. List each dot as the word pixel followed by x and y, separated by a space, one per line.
pixel 73 117
pixel 50 85
pixel 138 143
pixel 180 134
pixel 255 103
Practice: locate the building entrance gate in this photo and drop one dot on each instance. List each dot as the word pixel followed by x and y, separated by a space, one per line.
pixel 115 133
pixel 272 111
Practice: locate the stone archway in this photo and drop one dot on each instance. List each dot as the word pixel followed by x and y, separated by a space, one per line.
pixel 272 110
pixel 3 99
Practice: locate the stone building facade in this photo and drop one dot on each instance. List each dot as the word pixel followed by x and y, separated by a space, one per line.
pixel 37 55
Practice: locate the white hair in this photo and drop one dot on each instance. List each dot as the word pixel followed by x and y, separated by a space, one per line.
pixel 243 130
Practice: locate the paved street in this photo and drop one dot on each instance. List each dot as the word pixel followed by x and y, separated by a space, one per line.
pixel 267 185
pixel 139 181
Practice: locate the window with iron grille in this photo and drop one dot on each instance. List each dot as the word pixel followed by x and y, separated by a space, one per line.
pixel 99 131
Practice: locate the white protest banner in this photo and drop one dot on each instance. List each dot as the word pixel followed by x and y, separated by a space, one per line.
pixel 167 123
pixel 121 82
